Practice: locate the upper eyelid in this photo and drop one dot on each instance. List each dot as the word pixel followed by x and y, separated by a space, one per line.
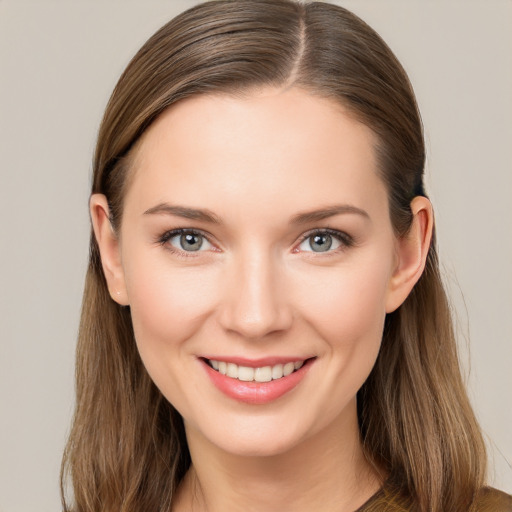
pixel 164 238
pixel 343 238
pixel 178 231
pixel 343 235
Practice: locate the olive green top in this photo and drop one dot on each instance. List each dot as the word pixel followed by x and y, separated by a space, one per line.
pixel 489 500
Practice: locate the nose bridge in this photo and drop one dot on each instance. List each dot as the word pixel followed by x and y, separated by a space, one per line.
pixel 255 303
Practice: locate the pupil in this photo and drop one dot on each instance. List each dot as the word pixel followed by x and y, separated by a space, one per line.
pixel 321 243
pixel 191 242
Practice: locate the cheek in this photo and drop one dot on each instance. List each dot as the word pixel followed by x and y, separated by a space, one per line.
pixel 168 304
pixel 346 309
pixel 347 304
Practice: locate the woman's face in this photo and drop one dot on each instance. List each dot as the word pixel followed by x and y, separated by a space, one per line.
pixel 256 235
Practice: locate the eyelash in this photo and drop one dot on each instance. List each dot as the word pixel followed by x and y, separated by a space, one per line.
pixel 168 235
pixel 345 239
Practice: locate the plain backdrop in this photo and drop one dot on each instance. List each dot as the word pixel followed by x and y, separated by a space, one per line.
pixel 59 61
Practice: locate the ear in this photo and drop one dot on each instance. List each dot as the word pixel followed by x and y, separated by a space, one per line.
pixel 412 251
pixel 109 247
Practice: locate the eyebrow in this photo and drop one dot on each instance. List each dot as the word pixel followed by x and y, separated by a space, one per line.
pixel 324 213
pixel 205 215
pixel 185 212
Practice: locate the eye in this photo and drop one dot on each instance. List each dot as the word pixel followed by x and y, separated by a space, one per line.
pixel 186 240
pixel 324 241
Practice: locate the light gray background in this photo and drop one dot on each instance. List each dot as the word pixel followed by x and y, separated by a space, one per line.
pixel 59 61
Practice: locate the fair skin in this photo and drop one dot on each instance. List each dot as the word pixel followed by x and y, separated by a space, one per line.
pixel 256 283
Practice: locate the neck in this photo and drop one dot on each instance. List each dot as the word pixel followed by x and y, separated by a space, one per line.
pixel 327 468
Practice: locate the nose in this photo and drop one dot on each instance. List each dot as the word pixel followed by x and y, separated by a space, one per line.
pixel 254 298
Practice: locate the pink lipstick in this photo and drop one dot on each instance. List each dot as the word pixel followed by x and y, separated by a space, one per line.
pixel 256 381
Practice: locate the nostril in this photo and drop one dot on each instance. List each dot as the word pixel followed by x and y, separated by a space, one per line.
pixel 254 303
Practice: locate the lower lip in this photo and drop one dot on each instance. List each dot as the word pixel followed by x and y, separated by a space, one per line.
pixel 256 393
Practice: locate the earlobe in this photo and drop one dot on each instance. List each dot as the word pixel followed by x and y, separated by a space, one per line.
pixel 108 244
pixel 412 251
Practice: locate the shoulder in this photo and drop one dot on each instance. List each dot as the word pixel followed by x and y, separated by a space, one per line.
pixel 391 499
pixel 492 500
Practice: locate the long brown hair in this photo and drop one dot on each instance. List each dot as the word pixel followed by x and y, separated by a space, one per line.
pixel 127 450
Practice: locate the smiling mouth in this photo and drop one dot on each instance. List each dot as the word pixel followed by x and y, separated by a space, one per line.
pixel 261 374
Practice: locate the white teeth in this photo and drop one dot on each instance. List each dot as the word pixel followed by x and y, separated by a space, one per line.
pixel 263 374
pixel 245 373
pixel 277 371
pixel 288 368
pixel 232 371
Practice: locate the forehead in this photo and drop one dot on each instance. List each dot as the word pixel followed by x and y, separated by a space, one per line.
pixel 256 149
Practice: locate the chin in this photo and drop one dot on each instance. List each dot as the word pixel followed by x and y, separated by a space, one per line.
pixel 254 435
pixel 272 445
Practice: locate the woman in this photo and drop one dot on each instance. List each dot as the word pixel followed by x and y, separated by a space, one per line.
pixel 264 326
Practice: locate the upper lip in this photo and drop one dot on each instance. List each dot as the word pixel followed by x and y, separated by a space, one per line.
pixel 259 362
